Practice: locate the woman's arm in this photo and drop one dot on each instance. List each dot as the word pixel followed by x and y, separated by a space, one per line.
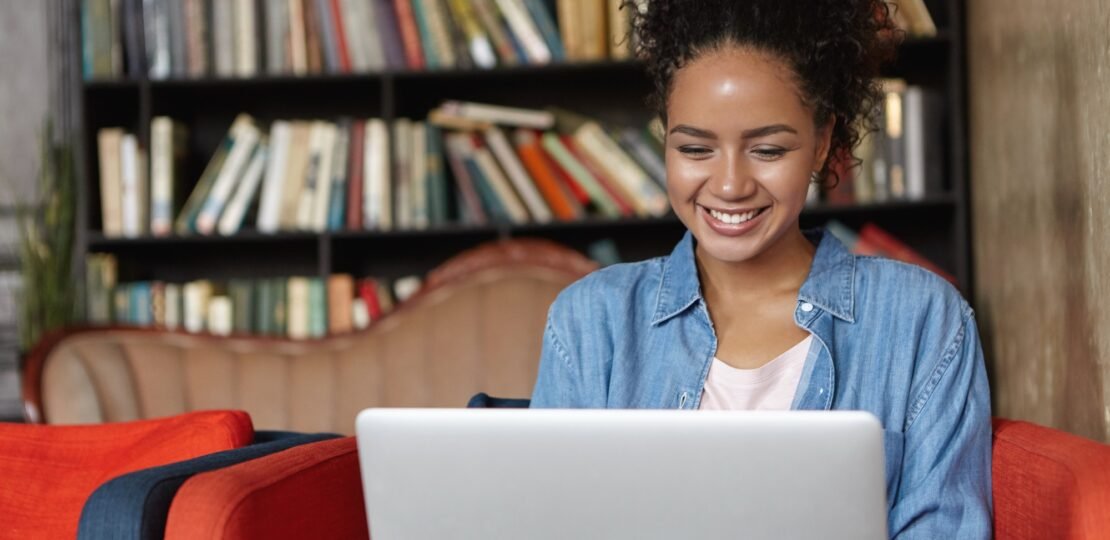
pixel 945 490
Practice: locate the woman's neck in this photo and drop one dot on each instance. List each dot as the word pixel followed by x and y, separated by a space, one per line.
pixel 779 270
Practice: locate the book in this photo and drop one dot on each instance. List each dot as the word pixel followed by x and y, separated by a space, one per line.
pixel 477 41
pixel 341 292
pixel 646 195
pixel 337 207
pixel 497 114
pixel 378 201
pixel 109 142
pixel 238 157
pixel 132 187
pixel 241 294
pixel 219 316
pixel 297 308
pixel 195 306
pixel 557 149
pixel 246 53
pixel 455 149
pixel 173 309
pixel 269 206
pixel 525 186
pixel 546 25
pixel 525 30
pixel 232 218
pixel 277 36
pixel 296 172
pixel 393 50
pixel 428 45
pixel 438 198
pixel 356 176
pixel 418 177
pixel 298 38
pixel 167 154
pixel 186 219
pixel 410 35
pixel 498 183
pixel 488 16
pixel 317 308
pixel 562 203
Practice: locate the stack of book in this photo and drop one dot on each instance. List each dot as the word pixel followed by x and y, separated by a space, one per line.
pixel 245 38
pixel 467 162
pixel 903 160
pixel 295 307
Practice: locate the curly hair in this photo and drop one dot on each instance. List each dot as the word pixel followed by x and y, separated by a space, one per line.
pixel 834 48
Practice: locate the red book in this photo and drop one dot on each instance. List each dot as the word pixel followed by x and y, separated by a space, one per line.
pixel 410 36
pixel 564 177
pixel 530 151
pixel 354 176
pixel 895 249
pixel 368 291
pixel 626 208
pixel 340 37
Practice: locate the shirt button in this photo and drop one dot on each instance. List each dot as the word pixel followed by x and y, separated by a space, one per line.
pixel 807 307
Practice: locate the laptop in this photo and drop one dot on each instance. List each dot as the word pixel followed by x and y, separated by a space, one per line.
pixel 638 474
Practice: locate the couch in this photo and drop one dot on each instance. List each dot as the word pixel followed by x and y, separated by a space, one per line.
pixel 476 325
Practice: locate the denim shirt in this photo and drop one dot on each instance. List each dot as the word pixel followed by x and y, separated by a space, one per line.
pixel 889 338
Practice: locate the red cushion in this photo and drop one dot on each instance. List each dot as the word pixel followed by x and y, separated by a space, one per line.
pixel 1049 484
pixel 310 491
pixel 47 471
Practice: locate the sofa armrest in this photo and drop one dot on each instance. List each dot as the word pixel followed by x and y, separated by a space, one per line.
pixel 310 491
pixel 1048 484
pixel 135 505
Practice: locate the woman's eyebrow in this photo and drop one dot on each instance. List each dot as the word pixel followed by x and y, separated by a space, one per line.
pixel 747 134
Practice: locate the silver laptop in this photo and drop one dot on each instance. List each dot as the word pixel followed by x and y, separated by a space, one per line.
pixel 561 474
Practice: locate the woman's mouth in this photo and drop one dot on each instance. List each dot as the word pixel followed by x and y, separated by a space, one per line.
pixel 733 223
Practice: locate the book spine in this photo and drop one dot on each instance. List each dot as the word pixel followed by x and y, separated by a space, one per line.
pixel 478 43
pixel 129 185
pixel 317 308
pixel 314 44
pixel 230 175
pixel 501 187
pixel 186 220
pixel 337 207
pixel 378 197
pixel 562 204
pixel 133 38
pixel 418 176
pixel 341 292
pixel 432 59
pixel 613 189
pixel 522 26
pixel 269 206
pixel 570 28
pixel 298 308
pixel 356 176
pixel 388 27
pixel 277 27
pixel 322 198
pixel 173 319
pixel 463 179
pixel 651 162
pixel 497 114
pixel 232 218
pixel 441 35
pixel 490 19
pixel 111 212
pixel 437 178
pixel 544 23
pixel 161 175
pixel 620 25
pixel 344 47
pixel 410 35
pixel 223 18
pixel 525 186
pixel 610 157
pixel 298 45
pixel 558 151
pixel 402 148
pixel 328 42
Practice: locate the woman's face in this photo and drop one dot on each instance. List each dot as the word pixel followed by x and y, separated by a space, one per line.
pixel 741 149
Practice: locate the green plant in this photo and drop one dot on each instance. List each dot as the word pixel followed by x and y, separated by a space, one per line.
pixel 49 298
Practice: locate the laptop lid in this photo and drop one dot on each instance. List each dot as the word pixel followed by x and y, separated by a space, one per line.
pixel 490 474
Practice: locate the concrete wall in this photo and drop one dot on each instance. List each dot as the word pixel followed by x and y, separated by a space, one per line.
pixel 1039 109
pixel 24 93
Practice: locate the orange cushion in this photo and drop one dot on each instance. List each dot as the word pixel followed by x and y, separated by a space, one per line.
pixel 48 471
pixel 310 491
pixel 1048 484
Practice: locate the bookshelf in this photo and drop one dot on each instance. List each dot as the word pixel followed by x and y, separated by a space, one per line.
pixel 611 91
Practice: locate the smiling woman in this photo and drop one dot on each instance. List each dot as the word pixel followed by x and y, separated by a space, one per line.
pixel 751 312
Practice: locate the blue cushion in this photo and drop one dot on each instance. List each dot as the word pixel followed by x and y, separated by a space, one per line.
pixel 485 401
pixel 137 504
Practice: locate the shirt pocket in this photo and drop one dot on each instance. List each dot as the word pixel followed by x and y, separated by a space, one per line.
pixel 893 447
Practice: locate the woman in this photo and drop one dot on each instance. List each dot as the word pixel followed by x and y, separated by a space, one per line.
pixel 749 311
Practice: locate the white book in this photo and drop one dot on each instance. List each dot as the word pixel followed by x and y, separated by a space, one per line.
pixel 525 30
pixel 418 180
pixel 156 27
pixel 297 309
pixel 161 176
pixel 173 306
pixel 496 114
pixel 402 151
pixel 223 37
pixel 130 190
pixel 219 316
pixel 306 206
pixel 230 175
pixel 517 213
pixel 232 217
pixel 322 200
pixel 517 174
pixel 371 38
pixel 360 314
pixel 269 206
pixel 246 57
pixel 913 105
pixel 111 213
pixel 377 192
pixel 196 295
pixel 277 27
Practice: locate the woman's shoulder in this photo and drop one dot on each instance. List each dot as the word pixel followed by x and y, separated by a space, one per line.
pixel 892 283
pixel 618 284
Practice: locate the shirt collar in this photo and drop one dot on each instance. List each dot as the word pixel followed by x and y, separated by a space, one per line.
pixel 829 285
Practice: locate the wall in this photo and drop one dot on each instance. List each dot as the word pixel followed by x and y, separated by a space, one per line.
pixel 1039 110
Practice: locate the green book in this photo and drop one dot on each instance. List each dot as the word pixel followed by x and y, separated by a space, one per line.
pixel 317 308
pixel 427 40
pixel 279 289
pixel 242 307
pixel 437 177
pixel 263 307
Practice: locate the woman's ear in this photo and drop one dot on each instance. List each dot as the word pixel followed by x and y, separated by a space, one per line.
pixel 824 142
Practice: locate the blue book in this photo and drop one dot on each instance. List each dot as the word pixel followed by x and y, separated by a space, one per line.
pixel 140 312
pixel 328 36
pixel 546 25
pixel 437 177
pixel 341 164
pixel 490 201
pixel 427 41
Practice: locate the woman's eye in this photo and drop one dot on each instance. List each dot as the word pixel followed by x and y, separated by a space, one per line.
pixel 694 151
pixel 769 153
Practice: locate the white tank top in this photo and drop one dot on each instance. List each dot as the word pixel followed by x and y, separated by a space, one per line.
pixel 768 388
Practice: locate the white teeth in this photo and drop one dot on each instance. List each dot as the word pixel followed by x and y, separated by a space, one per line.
pixel 733 219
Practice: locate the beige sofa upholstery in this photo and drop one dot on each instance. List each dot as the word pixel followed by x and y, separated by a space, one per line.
pixel 477 326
